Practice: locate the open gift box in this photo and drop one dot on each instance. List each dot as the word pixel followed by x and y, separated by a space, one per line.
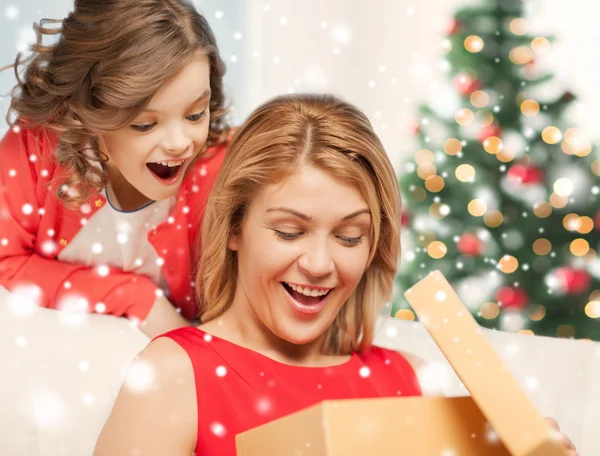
pixel 497 419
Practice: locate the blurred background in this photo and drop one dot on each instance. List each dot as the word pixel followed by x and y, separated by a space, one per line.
pixel 386 57
pixel 487 109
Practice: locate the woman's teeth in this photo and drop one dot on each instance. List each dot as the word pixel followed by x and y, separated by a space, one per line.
pixel 307 291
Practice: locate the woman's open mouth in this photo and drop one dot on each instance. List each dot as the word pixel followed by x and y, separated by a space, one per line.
pixel 306 300
pixel 166 172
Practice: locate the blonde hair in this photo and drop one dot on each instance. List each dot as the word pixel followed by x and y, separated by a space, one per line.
pixel 110 59
pixel 287 132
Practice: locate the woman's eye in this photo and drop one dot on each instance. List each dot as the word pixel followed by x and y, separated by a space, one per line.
pixel 287 236
pixel 145 127
pixel 196 117
pixel 350 241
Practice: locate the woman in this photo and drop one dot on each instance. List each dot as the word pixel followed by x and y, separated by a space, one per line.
pixel 119 132
pixel 304 229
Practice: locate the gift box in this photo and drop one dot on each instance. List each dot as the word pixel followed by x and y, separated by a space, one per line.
pixel 496 419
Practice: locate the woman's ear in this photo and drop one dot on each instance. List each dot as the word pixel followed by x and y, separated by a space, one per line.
pixel 233 243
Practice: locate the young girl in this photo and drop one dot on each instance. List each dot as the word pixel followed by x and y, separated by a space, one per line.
pixel 119 132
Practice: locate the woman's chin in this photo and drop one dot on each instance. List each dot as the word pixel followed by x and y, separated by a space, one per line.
pixel 301 333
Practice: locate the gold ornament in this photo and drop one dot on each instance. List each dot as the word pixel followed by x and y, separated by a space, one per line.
pixel 464 117
pixel 542 209
pixel 521 55
pixel 477 207
pixel 508 264
pixel 493 219
pixel 437 250
pixel 489 310
pixel 480 99
pixel 530 108
pixel 518 26
pixel 452 146
pixel 473 43
pixel 465 173
pixel 405 314
pixel 542 247
pixel 492 145
pixel 434 184
pixel 579 247
pixel 551 135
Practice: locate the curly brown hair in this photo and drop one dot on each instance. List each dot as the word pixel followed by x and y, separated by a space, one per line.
pixel 110 59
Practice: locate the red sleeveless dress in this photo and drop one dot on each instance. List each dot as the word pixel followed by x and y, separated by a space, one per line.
pixel 238 389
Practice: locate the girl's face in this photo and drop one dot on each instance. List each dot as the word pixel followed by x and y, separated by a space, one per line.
pixel 149 157
pixel 302 250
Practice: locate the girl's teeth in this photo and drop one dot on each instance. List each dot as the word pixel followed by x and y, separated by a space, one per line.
pixel 171 164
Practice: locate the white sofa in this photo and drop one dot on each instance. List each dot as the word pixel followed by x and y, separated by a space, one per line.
pixel 60 373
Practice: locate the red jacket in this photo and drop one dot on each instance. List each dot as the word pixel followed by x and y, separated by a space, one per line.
pixel 35 226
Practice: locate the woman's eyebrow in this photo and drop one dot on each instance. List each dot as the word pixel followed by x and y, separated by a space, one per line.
pixel 308 218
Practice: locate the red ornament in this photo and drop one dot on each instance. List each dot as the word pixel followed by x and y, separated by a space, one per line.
pixel 597 221
pixel 404 218
pixel 454 27
pixel 512 298
pixel 415 129
pixel 524 174
pixel 573 281
pixel 489 131
pixel 469 244
pixel 465 84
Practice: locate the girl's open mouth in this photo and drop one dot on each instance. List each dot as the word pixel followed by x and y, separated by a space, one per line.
pixel 166 172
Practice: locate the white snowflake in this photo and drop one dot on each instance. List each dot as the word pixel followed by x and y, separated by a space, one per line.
pixel 264 405
pixel 364 372
pixel 48 247
pixel 21 341
pixel 48 410
pixel 531 383
pixel 11 12
pixel 140 376
pixel 341 34
pixel 24 300
pixel 391 331
pixel 74 308
pixel 218 429
pixel 88 399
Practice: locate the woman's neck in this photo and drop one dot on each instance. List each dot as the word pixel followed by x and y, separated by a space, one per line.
pixel 252 334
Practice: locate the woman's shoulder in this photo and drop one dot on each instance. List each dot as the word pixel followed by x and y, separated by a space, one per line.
pixel 163 356
pixel 189 346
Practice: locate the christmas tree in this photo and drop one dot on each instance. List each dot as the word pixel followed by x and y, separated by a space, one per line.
pixel 501 194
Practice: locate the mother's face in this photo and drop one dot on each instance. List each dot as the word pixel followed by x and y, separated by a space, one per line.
pixel 302 250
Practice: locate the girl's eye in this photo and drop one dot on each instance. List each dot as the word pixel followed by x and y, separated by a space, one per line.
pixel 196 117
pixel 287 236
pixel 350 241
pixel 145 127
